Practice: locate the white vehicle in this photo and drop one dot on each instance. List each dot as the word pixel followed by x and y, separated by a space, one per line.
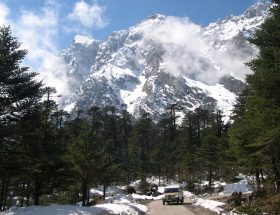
pixel 173 194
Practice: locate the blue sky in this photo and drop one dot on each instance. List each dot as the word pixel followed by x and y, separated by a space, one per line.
pixel 121 14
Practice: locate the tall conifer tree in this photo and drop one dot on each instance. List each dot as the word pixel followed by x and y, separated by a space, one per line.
pixel 257 124
pixel 19 94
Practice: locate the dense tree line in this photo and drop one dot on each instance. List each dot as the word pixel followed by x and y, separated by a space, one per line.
pixel 255 134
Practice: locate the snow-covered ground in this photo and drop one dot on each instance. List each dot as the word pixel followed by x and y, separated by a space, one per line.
pixel 215 184
pixel 117 202
pixel 47 210
pixel 216 206
pixel 210 204
pixel 205 203
pixel 241 186
pixel 114 205
pixel 102 209
pixel 112 190
pixel 124 209
pixel 137 196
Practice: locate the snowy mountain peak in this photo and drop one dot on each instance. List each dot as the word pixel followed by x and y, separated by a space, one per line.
pixel 156 16
pixel 259 9
pixel 234 27
pixel 153 19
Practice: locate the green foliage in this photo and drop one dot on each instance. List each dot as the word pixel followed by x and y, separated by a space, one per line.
pixel 20 94
pixel 255 132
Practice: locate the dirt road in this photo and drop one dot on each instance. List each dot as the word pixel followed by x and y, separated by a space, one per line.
pixel 156 208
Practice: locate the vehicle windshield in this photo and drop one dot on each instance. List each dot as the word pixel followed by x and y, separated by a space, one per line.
pixel 171 190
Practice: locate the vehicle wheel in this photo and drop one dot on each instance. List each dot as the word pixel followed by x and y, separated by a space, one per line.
pixel 163 202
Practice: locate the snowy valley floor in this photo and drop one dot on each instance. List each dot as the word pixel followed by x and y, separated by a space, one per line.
pixel 117 203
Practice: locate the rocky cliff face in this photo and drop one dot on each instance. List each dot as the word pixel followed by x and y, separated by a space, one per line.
pixel 140 68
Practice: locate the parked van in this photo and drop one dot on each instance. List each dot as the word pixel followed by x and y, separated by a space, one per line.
pixel 173 194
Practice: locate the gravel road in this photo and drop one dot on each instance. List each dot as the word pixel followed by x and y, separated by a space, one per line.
pixel 156 208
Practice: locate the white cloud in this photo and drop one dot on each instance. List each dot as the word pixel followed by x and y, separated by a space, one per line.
pixel 38 31
pixel 4 14
pixel 88 15
pixel 189 53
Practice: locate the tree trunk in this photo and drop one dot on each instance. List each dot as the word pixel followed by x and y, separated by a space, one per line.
pixel 88 191
pixel 276 175
pixel 104 188
pixel 28 194
pixel 6 193
pixel 127 176
pixel 37 190
pixel 84 191
pixel 210 180
pixel 159 179
pixel 262 177
pixel 2 192
pixel 22 194
pixel 258 181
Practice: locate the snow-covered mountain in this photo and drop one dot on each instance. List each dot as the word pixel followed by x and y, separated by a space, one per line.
pixel 164 60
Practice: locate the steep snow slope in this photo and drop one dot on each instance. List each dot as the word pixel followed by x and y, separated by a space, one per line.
pixel 164 60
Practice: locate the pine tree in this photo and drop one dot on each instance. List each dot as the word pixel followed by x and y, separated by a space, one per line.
pixel 125 127
pixel 43 150
pixel 19 95
pixel 85 155
pixel 19 91
pixel 256 129
pixel 142 145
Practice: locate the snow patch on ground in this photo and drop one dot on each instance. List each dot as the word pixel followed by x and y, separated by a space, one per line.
pixel 115 203
pixel 210 204
pixel 102 209
pixel 112 190
pixel 119 199
pixel 188 194
pixel 56 210
pixel 124 209
pixel 215 184
pixel 137 196
pixel 241 186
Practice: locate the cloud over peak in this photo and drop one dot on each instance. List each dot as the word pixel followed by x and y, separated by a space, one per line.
pixel 88 15
pixel 188 52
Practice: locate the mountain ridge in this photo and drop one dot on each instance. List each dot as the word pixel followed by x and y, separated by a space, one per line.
pixel 145 67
